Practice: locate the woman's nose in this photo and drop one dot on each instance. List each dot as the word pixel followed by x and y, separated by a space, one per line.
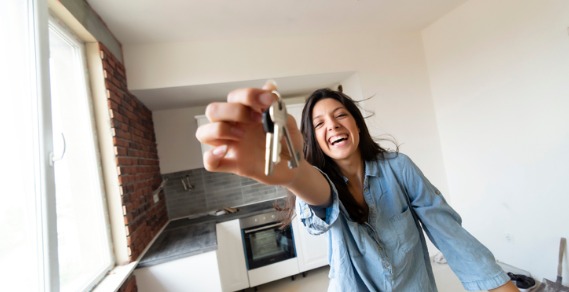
pixel 333 125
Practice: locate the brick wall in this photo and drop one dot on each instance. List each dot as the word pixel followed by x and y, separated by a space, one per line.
pixel 136 158
pixel 129 285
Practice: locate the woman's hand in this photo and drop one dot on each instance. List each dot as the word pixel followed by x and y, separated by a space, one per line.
pixel 238 139
pixel 508 287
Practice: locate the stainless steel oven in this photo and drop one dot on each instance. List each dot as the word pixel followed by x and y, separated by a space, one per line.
pixel 264 242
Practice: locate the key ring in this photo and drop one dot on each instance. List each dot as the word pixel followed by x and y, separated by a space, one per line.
pixel 274 123
pixel 276 92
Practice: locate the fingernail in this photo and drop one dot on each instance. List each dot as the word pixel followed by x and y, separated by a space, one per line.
pixel 271 82
pixel 220 150
pixel 266 98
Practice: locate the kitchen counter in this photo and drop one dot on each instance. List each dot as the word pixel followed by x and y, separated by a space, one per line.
pixel 186 237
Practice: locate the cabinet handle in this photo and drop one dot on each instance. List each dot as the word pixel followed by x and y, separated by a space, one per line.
pixel 262 228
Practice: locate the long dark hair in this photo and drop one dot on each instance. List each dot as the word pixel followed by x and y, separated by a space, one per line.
pixel 369 150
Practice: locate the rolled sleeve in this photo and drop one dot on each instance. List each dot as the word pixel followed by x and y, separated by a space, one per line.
pixel 496 281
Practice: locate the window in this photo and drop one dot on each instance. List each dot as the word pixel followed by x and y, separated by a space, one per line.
pixel 83 237
pixel 53 221
pixel 27 222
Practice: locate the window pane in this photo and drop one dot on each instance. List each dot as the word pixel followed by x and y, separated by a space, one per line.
pixel 83 236
pixel 22 257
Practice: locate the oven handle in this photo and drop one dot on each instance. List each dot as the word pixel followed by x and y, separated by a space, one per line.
pixel 261 228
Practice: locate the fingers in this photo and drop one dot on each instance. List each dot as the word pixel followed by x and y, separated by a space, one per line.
pixel 219 133
pixel 257 99
pixel 231 112
pixel 243 105
pixel 236 132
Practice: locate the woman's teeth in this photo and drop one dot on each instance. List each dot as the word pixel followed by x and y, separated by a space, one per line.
pixel 338 139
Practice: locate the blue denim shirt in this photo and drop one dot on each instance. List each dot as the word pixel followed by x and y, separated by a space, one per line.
pixel 389 252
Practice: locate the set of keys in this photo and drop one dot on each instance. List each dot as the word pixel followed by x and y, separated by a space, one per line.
pixel 274 123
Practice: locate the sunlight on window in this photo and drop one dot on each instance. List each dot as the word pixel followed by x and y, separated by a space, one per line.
pixel 21 254
pixel 83 236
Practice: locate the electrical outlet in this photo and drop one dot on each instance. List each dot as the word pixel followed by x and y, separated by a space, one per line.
pixel 156 198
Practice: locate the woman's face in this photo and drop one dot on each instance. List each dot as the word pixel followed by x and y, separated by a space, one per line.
pixel 335 129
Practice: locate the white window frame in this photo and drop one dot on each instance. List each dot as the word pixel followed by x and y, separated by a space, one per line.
pixel 69 37
pixel 123 263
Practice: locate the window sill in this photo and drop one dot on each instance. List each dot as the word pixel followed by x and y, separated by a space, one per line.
pixel 115 278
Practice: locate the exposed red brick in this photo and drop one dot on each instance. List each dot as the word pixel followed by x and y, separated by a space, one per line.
pixel 136 158
pixel 129 285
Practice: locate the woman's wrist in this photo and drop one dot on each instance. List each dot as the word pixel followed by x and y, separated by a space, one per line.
pixel 310 185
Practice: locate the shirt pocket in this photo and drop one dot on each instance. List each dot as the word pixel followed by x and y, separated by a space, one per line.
pixel 406 232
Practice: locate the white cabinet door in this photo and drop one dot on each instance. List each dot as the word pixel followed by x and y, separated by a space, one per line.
pixel 193 273
pixel 311 250
pixel 273 272
pixel 295 110
pixel 230 256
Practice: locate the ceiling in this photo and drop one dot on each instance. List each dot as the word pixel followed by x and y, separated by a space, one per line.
pixel 155 21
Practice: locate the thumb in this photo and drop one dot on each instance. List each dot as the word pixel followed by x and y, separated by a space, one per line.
pixel 212 158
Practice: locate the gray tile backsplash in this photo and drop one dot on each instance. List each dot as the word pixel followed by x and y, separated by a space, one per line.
pixel 212 191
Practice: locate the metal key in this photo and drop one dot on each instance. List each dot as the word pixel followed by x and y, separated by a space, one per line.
pixel 274 122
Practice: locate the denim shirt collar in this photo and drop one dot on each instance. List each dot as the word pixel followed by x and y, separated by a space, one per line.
pixel 371 168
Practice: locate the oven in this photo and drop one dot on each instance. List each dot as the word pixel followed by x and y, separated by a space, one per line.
pixel 264 242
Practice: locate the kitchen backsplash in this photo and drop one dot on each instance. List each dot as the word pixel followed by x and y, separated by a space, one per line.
pixel 208 191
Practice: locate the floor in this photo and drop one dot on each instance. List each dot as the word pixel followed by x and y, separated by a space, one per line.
pixel 317 280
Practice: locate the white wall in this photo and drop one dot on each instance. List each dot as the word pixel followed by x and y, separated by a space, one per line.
pixel 499 73
pixel 391 66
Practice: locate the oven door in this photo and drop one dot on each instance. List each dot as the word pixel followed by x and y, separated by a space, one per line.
pixel 267 244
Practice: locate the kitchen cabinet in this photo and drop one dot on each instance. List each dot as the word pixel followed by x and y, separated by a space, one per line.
pixel 194 273
pixel 311 250
pixel 175 130
pixel 295 110
pixel 273 272
pixel 230 256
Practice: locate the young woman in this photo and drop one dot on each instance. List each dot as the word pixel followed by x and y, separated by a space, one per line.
pixel 369 200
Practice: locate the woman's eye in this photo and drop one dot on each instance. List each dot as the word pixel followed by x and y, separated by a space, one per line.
pixel 341 115
pixel 318 125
